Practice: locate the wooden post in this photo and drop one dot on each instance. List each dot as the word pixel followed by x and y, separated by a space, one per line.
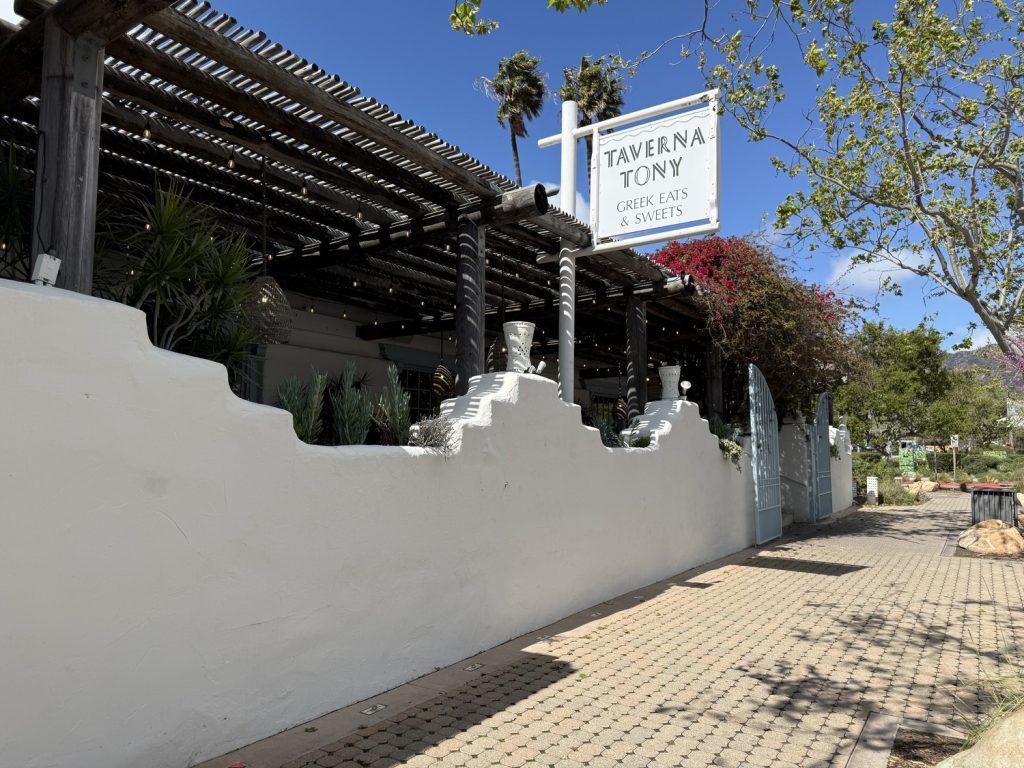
pixel 567 261
pixel 715 392
pixel 470 281
pixel 636 357
pixel 67 163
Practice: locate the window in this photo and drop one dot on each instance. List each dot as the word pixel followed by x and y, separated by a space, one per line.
pixel 419 384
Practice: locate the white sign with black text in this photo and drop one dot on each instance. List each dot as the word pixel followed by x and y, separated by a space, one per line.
pixel 656 175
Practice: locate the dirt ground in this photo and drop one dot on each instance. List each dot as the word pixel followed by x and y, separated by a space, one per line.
pixel 913 749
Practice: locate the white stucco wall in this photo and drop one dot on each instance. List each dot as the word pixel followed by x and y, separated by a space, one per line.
pixel 179 575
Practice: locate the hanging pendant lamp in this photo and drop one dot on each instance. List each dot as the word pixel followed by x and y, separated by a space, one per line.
pixel 269 310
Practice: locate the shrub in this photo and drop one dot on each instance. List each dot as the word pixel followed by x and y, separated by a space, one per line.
pixel 865 466
pixel 435 434
pixel 305 402
pixel 728 439
pixel 943 462
pixel 392 416
pixel 351 409
pixel 748 295
pixel 1002 696
pixel 892 493
pixel 610 436
pixel 979 463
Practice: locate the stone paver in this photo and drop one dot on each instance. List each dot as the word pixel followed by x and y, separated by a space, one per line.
pixel 773 661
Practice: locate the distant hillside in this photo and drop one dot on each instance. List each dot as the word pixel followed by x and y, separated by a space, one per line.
pixel 986 358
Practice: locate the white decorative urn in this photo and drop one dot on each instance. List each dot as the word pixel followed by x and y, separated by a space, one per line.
pixel 669 381
pixel 518 341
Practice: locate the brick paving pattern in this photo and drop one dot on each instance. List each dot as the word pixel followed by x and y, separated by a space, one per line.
pixel 773 661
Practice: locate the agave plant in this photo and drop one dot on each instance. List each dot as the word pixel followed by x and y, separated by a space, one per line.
pixel 352 409
pixel 305 402
pixel 392 416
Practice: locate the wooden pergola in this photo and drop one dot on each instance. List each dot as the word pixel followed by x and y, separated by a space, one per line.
pixel 340 197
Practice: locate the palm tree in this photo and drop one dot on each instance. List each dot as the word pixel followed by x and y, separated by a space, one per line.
pixel 519 88
pixel 597 87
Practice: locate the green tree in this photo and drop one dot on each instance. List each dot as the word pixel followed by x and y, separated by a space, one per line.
pixel 893 391
pixel 597 86
pixel 913 153
pixel 465 16
pixel 974 408
pixel 519 88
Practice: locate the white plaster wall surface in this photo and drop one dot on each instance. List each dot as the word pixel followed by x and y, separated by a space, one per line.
pixel 180 576
pixel 841 467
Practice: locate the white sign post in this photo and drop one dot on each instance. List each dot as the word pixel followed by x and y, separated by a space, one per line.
pixel 651 182
pixel 954 443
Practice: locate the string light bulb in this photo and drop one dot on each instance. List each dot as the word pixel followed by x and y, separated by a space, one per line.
pixel 305 189
pixel 147 131
pixel 231 160
pixel 359 214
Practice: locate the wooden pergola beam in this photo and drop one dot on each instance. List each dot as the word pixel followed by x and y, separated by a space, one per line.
pixel 172 70
pixel 232 132
pixel 21 56
pixel 249 176
pixel 200 38
pixel 212 89
pixel 513 206
pixel 446 322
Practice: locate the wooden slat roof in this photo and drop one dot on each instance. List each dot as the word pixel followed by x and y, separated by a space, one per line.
pixel 254 127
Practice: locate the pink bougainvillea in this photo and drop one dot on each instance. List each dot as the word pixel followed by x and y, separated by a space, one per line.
pixel 757 312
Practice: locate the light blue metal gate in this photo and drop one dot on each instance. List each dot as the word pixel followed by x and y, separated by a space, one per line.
pixel 764 441
pixel 821 469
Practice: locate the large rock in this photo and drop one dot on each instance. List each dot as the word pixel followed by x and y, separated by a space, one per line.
pixel 992 537
pixel 1001 746
pixel 924 485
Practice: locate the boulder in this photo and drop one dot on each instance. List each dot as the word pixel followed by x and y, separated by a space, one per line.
pixel 992 537
pixel 924 485
pixel 1001 746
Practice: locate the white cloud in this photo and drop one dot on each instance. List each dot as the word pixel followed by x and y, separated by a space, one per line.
pixel 7 12
pixel 864 278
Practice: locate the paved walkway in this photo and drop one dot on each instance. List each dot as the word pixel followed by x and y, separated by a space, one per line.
pixel 771 660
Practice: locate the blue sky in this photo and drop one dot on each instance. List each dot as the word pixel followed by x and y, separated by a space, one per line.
pixel 403 53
